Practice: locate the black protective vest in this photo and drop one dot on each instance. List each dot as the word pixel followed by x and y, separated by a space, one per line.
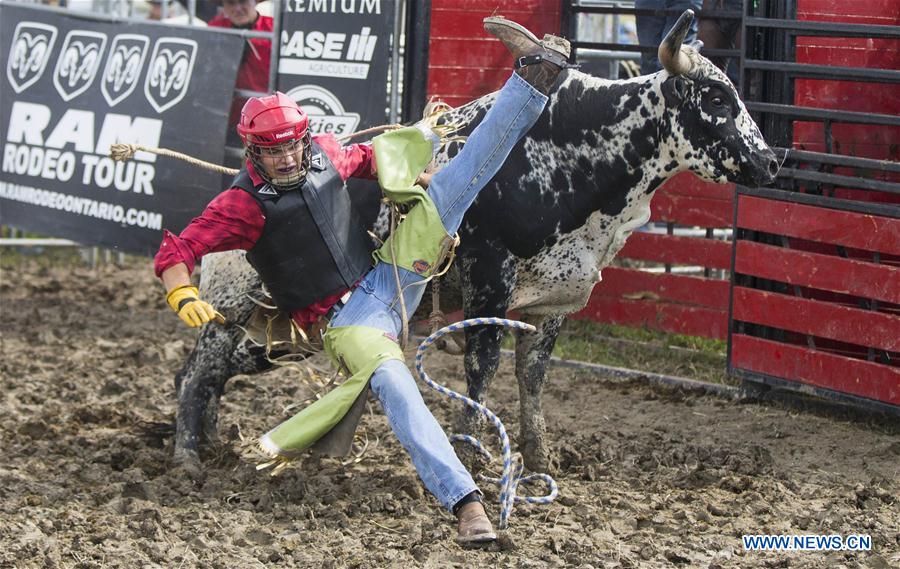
pixel 314 243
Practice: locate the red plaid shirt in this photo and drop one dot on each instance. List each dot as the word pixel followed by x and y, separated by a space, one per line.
pixel 234 220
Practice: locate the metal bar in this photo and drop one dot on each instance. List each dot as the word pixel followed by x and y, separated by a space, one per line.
pixel 242 33
pixel 790 43
pixel 36 242
pixel 834 115
pixel 275 57
pixel 192 13
pixel 841 181
pixel 248 93
pixel 742 92
pixel 829 29
pixel 840 160
pixel 415 70
pixel 709 235
pixel 607 46
pixel 619 373
pixel 804 388
pixel 679 270
pixel 603 55
pixel 631 48
pixel 826 71
pixel 732 276
pixel 670 230
pixel 394 111
pixel 114 18
pixel 871 208
pixel 164 9
pixel 715 14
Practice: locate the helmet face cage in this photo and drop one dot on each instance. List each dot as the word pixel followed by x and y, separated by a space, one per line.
pixel 275 155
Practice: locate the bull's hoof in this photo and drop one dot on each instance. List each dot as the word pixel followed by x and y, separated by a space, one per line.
pixel 469 456
pixel 188 462
pixel 538 459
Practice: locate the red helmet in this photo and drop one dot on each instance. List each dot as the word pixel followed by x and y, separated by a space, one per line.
pixel 275 122
pixel 271 120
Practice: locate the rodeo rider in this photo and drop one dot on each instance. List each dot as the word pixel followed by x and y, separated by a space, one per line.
pixel 289 209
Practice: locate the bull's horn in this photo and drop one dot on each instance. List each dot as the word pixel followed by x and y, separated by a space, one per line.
pixel 670 55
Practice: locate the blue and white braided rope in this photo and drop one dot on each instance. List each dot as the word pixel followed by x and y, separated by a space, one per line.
pixel 512 463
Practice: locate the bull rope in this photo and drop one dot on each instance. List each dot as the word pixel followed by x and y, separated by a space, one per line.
pixel 123 152
pixel 512 463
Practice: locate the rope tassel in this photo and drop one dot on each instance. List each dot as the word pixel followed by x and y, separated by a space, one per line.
pixel 512 463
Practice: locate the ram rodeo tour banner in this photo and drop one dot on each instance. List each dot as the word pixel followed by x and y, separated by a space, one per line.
pixel 72 86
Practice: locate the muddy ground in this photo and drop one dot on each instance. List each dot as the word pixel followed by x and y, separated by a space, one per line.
pixel 648 477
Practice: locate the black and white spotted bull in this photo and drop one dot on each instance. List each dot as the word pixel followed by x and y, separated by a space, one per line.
pixel 538 235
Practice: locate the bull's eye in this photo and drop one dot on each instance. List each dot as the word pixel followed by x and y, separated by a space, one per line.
pixel 717 102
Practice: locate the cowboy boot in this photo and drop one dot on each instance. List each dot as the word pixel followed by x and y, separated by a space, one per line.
pixel 474 526
pixel 537 61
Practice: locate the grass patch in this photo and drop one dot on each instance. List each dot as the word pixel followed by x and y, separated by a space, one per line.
pixel 642 349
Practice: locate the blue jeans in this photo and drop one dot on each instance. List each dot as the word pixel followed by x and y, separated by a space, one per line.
pixel 652 29
pixel 453 189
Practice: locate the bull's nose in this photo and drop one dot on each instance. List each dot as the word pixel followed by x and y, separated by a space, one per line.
pixel 773 167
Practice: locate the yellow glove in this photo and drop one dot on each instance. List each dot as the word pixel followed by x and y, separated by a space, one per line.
pixel 185 301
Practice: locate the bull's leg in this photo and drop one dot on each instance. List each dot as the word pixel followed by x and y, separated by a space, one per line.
pixel 195 385
pixel 532 354
pixel 228 282
pixel 246 359
pixel 216 358
pixel 484 295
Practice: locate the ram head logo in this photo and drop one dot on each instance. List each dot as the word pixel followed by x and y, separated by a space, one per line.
pixel 123 67
pixel 169 74
pixel 29 53
pixel 78 62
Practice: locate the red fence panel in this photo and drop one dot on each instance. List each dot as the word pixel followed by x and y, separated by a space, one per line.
pixel 675 303
pixel 857 230
pixel 678 250
pixel 816 270
pixel 695 303
pixel 821 318
pixel 820 369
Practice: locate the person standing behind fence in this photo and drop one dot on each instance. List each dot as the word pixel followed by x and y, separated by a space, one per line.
pixel 175 13
pixel 722 33
pixel 253 73
pixel 652 29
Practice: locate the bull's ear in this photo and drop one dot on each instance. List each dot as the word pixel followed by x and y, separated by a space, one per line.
pixel 674 90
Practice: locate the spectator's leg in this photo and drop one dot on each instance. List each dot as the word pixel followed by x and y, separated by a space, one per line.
pixel 680 6
pixel 650 33
pixel 734 31
pixel 711 33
